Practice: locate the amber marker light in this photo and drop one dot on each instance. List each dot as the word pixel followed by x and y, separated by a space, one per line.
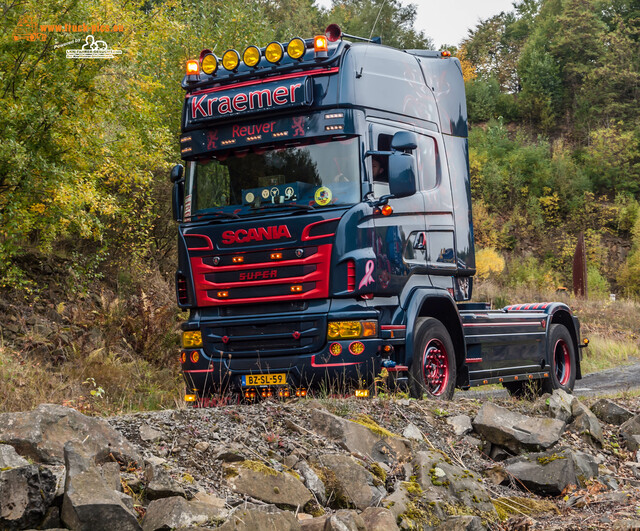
pixel 274 52
pixel 387 210
pixel 251 56
pixel 193 68
pixel 276 256
pixel 223 294
pixel 296 48
pixel 190 398
pixel 362 393
pixel 296 288
pixel 237 259
pixel 195 357
pixel 446 53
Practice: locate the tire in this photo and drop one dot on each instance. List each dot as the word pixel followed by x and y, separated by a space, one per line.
pixel 563 360
pixel 433 369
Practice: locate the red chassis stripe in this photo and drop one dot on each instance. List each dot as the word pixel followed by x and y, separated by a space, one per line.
pixel 314 364
pixel 474 360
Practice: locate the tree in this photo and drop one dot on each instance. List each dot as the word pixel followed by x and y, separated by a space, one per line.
pixel 388 19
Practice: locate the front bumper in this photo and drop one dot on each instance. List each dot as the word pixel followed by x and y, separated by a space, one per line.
pixel 206 373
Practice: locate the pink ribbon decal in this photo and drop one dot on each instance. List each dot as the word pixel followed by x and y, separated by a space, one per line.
pixel 368 274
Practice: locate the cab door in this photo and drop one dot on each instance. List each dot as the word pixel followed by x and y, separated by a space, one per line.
pixel 399 241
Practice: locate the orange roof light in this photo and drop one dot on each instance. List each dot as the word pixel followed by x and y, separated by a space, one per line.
pixel 387 210
pixel 320 47
pixel 193 68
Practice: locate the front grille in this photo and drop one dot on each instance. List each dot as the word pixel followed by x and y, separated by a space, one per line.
pixel 255 277
pixel 274 336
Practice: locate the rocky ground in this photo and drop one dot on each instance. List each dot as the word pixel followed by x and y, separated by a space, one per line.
pixel 333 464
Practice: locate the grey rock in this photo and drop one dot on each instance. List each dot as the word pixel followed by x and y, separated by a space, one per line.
pixel 412 432
pixel 312 481
pixel 586 423
pixel 160 484
pixel 9 458
pixel 498 453
pixel 515 431
pixel 609 482
pixel 397 502
pixel 560 405
pixel 545 473
pixel 25 495
pixel 260 519
pixel 176 512
pixel 59 473
pixel 442 481
pixel 608 411
pixel 51 519
pixel 315 524
pixel 111 475
pixel 586 466
pixel 360 439
pixel 42 433
pixel 379 519
pixel 461 424
pixel 266 484
pixel 231 453
pixel 349 483
pixel 89 504
pixel 202 446
pixel 149 434
pixel 630 428
pixel 462 523
pixel 345 520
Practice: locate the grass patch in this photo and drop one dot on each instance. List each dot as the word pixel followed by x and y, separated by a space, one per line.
pixel 516 505
pixel 605 353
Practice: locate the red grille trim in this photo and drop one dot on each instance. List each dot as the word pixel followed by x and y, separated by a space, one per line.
pixel 320 278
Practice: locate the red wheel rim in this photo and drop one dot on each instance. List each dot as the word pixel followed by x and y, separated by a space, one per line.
pixel 435 367
pixel 562 361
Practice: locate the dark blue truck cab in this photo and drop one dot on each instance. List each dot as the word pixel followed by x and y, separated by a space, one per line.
pixel 326 234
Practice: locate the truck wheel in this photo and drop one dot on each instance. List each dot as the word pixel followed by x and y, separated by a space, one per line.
pixel 563 360
pixel 433 369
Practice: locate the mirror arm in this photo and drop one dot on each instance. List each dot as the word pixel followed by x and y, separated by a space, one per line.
pixel 382 201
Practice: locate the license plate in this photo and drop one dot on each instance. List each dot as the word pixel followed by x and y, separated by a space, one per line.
pixel 264 379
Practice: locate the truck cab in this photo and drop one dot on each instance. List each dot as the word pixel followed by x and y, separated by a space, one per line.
pixel 325 232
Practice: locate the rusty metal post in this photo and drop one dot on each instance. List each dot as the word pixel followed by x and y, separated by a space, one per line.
pixel 580 269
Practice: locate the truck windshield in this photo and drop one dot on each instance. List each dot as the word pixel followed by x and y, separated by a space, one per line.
pixel 245 181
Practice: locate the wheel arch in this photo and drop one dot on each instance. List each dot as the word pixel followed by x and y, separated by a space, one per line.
pixel 563 316
pixel 441 306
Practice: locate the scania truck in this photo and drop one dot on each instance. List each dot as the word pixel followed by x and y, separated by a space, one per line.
pixel 325 230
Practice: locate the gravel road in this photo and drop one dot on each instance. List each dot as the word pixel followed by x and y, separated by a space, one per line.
pixel 609 381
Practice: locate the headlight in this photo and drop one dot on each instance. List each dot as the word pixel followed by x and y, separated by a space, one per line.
pixel 192 339
pixel 351 329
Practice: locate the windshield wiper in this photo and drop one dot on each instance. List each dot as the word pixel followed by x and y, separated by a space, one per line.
pixel 300 206
pixel 232 215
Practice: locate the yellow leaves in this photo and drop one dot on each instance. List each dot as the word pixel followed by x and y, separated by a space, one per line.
pixel 38 208
pixel 550 205
pixel 489 263
pixel 468 69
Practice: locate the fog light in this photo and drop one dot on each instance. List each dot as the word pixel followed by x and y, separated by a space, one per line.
pixel 335 349
pixel 362 393
pixel 356 348
pixel 190 398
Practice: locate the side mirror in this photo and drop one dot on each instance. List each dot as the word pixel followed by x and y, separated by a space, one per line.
pixel 404 141
pixel 177 199
pixel 176 173
pixel 402 174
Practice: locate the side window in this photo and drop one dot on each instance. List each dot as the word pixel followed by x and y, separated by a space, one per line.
pixel 427 155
